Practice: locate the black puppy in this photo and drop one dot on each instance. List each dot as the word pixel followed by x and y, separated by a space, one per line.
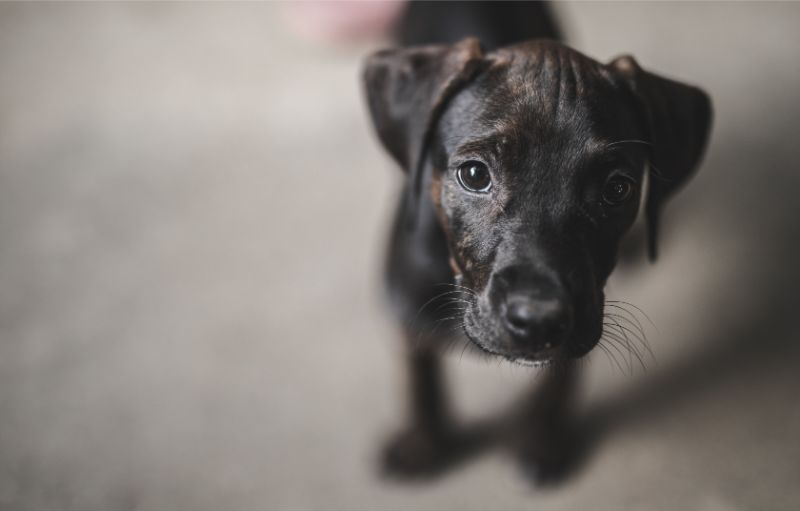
pixel 526 165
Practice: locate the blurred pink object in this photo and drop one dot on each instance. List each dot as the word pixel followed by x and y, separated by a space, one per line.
pixel 339 21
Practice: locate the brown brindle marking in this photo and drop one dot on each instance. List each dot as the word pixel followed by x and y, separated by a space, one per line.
pixel 536 247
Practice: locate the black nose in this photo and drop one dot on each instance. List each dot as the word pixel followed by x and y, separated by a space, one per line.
pixel 538 321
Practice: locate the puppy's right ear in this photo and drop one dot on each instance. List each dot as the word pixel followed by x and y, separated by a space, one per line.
pixel 407 90
pixel 676 118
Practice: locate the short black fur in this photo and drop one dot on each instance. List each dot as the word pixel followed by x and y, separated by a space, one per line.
pixel 570 144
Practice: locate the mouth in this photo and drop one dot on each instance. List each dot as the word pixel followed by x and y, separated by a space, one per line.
pixel 548 355
pixel 540 358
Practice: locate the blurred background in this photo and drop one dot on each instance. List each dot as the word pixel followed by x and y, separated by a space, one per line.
pixel 193 211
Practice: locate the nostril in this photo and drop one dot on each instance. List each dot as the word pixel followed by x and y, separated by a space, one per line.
pixel 545 319
pixel 521 313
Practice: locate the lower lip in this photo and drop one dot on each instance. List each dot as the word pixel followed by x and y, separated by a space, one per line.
pixel 538 359
pixel 545 356
pixel 531 363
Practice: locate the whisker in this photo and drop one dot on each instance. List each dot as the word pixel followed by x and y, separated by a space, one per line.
pixel 638 309
pixel 639 336
pixel 458 286
pixel 632 319
pixel 447 303
pixel 617 346
pixel 451 303
pixel 623 330
pixel 631 348
pixel 633 322
pixel 607 349
pixel 627 341
pixel 424 305
pixel 623 351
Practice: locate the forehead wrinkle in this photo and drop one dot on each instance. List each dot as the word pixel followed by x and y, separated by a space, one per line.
pixel 556 80
pixel 553 89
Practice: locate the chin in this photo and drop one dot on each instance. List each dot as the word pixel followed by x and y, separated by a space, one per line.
pixel 500 345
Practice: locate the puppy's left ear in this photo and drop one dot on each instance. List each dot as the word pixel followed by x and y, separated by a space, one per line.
pixel 407 90
pixel 677 121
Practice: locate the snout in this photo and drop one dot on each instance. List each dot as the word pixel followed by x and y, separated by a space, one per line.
pixel 536 313
pixel 528 315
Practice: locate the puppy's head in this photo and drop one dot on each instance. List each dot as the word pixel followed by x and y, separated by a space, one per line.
pixel 536 158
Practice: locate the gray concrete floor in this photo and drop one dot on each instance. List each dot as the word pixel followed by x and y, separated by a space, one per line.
pixel 192 211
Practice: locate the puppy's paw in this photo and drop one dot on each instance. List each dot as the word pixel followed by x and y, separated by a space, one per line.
pixel 549 458
pixel 416 453
pixel 545 471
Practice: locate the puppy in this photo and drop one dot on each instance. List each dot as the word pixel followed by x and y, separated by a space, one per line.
pixel 525 167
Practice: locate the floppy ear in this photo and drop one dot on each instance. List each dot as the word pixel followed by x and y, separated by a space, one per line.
pixel 407 90
pixel 677 121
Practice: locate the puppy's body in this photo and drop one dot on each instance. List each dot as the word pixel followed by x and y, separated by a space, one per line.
pixel 525 168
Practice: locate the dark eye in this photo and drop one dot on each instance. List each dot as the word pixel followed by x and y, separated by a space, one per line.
pixel 617 190
pixel 474 176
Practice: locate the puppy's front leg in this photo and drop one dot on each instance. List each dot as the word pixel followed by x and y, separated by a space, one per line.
pixel 426 445
pixel 542 432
